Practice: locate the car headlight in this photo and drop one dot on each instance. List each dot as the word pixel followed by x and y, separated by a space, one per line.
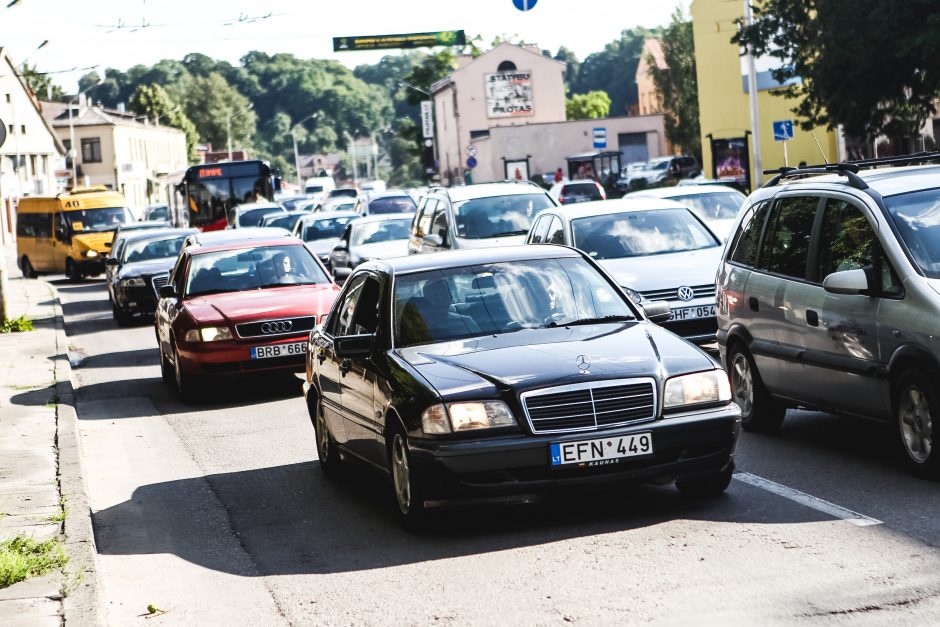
pixel 91 253
pixel 633 294
pixel 455 417
pixel 208 334
pixel 135 281
pixel 700 387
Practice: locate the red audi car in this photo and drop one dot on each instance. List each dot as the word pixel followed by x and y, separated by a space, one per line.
pixel 239 308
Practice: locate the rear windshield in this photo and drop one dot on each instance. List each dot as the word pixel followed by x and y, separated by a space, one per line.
pixel 498 216
pixel 637 233
pixel 717 206
pixel 392 204
pixel 589 190
pixel 285 222
pixel 254 217
pixel 327 228
pixel 150 249
pixel 384 231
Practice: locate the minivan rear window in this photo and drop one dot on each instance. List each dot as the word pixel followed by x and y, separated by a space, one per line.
pixel 916 216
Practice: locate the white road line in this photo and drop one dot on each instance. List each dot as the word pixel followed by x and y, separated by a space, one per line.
pixel 808 500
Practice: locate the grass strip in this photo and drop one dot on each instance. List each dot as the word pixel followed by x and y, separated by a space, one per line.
pixel 22 557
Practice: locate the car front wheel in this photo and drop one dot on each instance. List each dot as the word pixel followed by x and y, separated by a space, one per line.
pixel 184 382
pixel 917 410
pixel 71 270
pixel 326 446
pixel 406 485
pixel 759 412
pixel 26 267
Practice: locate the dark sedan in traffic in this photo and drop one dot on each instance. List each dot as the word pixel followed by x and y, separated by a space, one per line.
pixel 496 374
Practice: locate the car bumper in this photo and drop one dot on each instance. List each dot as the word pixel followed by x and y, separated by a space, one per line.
pixel 234 357
pixel 503 468
pixel 136 300
pixel 86 266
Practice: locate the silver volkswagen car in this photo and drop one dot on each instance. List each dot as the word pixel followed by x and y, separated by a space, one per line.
pixel 829 298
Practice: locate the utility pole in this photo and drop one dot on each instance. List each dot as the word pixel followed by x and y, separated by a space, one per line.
pixel 752 97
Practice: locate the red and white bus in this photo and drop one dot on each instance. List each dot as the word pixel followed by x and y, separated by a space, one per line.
pixel 203 195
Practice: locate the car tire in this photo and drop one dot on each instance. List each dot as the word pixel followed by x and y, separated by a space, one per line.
pixel 705 486
pixel 327 453
pixel 166 368
pixel 26 268
pixel 407 487
pixel 760 413
pixel 185 385
pixel 71 271
pixel 123 318
pixel 917 410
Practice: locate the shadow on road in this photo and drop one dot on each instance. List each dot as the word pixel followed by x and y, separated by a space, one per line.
pixel 292 520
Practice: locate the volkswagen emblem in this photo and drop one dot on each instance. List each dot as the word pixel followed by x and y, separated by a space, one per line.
pixel 278 326
pixel 583 362
pixel 685 293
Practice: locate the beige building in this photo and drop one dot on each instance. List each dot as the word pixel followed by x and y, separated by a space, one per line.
pixel 119 150
pixel 650 101
pixel 29 150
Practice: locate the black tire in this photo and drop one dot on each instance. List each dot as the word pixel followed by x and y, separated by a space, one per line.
pixel 330 462
pixel 166 369
pixel 185 384
pixel 26 268
pixel 705 486
pixel 123 318
pixel 917 410
pixel 407 486
pixel 759 411
pixel 71 271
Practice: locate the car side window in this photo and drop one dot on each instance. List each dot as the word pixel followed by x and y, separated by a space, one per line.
pixel 439 223
pixel 342 317
pixel 747 238
pixel 176 274
pixel 424 220
pixel 366 318
pixel 556 232
pixel 540 230
pixel 847 241
pixel 786 245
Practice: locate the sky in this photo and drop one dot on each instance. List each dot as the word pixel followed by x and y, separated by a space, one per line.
pixel 122 33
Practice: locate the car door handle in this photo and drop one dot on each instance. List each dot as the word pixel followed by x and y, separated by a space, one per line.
pixel 753 303
pixel 812 318
pixel 345 366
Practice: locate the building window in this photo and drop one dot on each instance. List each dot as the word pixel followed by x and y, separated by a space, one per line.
pixel 8 97
pixel 506 66
pixel 91 150
pixel 22 129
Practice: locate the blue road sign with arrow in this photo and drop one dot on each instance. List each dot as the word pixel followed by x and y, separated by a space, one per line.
pixel 524 5
pixel 783 130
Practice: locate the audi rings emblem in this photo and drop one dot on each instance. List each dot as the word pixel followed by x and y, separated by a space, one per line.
pixel 281 326
pixel 685 293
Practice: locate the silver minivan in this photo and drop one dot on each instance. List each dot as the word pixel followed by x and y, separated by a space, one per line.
pixel 828 297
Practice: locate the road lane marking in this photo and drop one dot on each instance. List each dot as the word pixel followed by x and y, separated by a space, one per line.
pixel 808 500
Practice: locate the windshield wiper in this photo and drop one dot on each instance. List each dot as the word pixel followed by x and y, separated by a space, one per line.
pixel 597 320
pixel 506 233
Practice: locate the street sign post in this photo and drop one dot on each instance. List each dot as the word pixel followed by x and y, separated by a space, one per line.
pixel 600 138
pixel 783 132
pixel 471 150
pixel 405 40
pixel 471 162
pixel 524 5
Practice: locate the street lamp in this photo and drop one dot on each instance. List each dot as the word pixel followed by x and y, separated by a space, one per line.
pixel 72 127
pixel 352 156
pixel 417 89
pixel 228 125
pixel 293 135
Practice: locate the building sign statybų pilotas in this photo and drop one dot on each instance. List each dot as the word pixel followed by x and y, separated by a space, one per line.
pixel 406 40
pixel 508 94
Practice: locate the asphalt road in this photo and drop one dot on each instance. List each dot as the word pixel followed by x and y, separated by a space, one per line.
pixel 218 514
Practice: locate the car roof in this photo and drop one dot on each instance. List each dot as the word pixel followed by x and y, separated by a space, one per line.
pixel 461 258
pixel 382 217
pixel 888 181
pixel 680 192
pixel 248 206
pixel 487 190
pixel 157 234
pixel 395 193
pixel 252 232
pixel 144 224
pixel 326 215
pixel 618 205
pixel 244 245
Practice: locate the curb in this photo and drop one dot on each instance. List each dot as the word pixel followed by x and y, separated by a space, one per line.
pixel 81 606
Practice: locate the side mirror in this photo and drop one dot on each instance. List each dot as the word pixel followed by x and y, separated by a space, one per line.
pixel 433 240
pixel 111 262
pixel 353 346
pixel 108 244
pixel 846 282
pixel 167 291
pixel 657 311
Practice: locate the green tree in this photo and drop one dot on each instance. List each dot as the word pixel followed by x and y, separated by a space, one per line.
pixel 873 68
pixel 613 69
pixel 40 83
pixel 589 106
pixel 217 109
pixel 154 102
pixel 678 85
pixel 570 59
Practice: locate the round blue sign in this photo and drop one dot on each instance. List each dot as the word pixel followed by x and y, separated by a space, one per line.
pixel 472 162
pixel 524 5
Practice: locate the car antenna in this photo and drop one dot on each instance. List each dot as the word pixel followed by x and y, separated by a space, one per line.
pixel 820 148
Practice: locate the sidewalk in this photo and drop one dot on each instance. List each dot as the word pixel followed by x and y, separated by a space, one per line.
pixel 40 476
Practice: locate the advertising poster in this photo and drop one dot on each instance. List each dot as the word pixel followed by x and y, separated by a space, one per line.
pixel 508 94
pixel 730 160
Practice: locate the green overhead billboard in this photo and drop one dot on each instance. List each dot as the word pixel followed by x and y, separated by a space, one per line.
pixel 407 40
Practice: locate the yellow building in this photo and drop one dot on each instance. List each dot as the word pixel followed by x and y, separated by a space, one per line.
pixel 723 100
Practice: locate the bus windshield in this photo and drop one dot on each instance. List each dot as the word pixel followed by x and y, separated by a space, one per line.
pixel 99 219
pixel 213 190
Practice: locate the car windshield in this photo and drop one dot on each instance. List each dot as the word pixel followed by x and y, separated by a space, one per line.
pixel 344 193
pixel 917 218
pixel 252 268
pixel 100 219
pixel 383 231
pixel 392 204
pixel 150 249
pixel 498 216
pixel 327 228
pixel 444 305
pixel 254 217
pixel 658 165
pixel 285 222
pixel 636 233
pixel 716 206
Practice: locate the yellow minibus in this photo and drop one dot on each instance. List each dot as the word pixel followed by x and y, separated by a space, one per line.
pixel 70 232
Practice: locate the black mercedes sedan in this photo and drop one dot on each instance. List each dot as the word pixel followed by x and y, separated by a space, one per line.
pixel 493 375
pixel 141 269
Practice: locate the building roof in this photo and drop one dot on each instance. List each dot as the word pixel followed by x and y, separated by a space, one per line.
pixel 57 113
pixel 4 57
pixel 528 48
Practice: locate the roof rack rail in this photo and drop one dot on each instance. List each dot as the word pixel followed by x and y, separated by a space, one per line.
pixel 850 169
